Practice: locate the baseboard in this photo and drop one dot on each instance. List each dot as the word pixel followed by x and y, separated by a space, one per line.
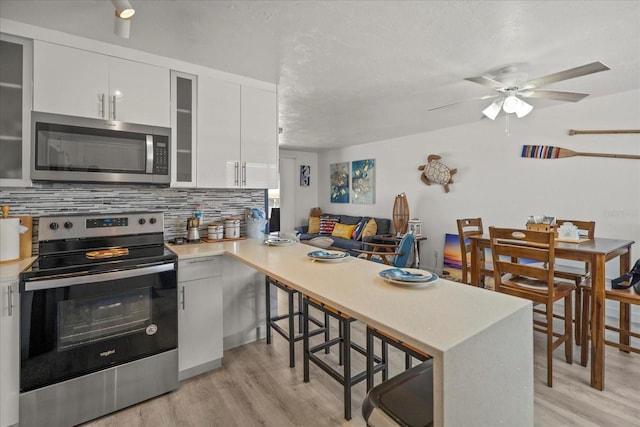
pixel 200 369
pixel 244 337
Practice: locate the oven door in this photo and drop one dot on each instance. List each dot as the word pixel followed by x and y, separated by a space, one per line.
pixel 72 326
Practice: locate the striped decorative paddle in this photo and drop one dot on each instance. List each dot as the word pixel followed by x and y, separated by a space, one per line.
pixel 548 152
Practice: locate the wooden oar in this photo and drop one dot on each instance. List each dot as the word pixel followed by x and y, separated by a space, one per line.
pixel 548 152
pixel 587 132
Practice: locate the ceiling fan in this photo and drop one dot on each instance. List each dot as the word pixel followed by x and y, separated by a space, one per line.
pixel 510 92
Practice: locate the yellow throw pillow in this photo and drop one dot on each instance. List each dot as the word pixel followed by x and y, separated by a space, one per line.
pixel 314 225
pixel 370 229
pixel 343 230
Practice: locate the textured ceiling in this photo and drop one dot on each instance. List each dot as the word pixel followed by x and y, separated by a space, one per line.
pixel 351 72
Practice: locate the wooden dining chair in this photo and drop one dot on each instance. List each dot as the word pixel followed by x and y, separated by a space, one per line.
pixel 523 262
pixel 577 273
pixel 471 227
pixel 625 298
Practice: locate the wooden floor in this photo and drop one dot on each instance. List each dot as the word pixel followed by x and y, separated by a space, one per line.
pixel 255 387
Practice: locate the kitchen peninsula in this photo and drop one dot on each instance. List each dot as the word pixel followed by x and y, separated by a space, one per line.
pixel 481 341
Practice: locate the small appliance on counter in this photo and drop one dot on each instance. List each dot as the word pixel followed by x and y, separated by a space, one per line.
pixel 193 231
pixel 10 236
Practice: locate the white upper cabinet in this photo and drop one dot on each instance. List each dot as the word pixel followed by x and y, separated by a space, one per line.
pixel 15 107
pixel 259 138
pixel 237 136
pixel 81 83
pixel 218 133
pixel 183 129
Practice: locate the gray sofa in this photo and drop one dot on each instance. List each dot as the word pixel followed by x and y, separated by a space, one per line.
pixel 384 227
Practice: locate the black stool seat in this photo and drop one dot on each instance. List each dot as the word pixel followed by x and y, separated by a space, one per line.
pixel 405 400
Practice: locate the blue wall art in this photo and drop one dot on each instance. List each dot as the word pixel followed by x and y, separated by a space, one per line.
pixel 339 176
pixel 363 184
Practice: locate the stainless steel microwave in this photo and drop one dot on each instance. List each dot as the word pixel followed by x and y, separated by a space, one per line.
pixel 78 149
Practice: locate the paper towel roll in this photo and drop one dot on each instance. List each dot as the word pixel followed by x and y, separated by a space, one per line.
pixel 10 230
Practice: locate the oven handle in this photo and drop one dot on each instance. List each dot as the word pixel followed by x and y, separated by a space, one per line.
pixel 42 284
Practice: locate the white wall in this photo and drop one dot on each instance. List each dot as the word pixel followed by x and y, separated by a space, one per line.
pixel 305 198
pixel 495 183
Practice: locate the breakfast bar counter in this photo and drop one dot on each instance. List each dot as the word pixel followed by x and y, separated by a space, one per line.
pixel 481 341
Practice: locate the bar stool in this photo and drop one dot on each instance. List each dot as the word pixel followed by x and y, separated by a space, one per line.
pixel 290 334
pixel 376 364
pixel 406 399
pixel 346 377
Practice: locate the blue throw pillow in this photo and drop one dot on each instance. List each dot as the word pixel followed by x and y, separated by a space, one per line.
pixel 357 233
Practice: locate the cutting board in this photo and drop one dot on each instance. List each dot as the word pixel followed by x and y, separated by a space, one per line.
pixel 26 237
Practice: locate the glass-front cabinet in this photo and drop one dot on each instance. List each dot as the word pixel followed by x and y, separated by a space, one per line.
pixel 15 107
pixel 183 129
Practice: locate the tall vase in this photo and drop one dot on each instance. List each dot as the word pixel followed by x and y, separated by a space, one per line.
pixel 400 214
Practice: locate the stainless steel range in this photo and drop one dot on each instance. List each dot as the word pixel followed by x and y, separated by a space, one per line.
pixel 98 318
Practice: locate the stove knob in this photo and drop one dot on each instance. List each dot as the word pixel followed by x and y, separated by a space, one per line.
pixel 68 225
pixel 53 226
pixel 153 220
pixel 141 221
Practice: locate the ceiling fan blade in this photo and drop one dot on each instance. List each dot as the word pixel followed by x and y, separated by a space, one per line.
pixel 464 100
pixel 553 94
pixel 571 73
pixel 486 81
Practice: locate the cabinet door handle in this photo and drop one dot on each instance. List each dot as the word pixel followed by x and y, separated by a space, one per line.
pixel 101 96
pixel 114 107
pixel 199 260
pixel 10 297
pixel 244 174
pixel 182 294
pixel 237 166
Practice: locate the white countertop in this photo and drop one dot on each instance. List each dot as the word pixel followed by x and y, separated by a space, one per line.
pixel 481 340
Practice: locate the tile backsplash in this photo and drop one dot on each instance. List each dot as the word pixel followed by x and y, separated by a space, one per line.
pixel 177 204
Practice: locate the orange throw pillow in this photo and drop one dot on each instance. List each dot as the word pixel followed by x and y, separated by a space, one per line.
pixel 314 225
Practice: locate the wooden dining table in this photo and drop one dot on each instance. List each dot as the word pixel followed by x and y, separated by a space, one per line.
pixel 597 252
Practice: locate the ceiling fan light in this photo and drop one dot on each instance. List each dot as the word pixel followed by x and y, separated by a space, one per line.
pixel 493 110
pixel 511 104
pixel 124 9
pixel 523 109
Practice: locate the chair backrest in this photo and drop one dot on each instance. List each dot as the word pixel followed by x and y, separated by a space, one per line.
pixel 584 227
pixel 467 227
pixel 405 248
pixel 523 253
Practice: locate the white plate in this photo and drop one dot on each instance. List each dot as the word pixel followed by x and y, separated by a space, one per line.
pixel 279 242
pixel 412 284
pixel 327 256
pixel 406 274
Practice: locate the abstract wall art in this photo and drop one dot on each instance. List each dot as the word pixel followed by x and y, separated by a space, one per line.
pixel 339 178
pixel 363 184
pixel 305 175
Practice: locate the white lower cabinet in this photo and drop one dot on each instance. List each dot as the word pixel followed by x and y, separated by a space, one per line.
pixel 9 353
pixel 199 315
pixel 244 304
